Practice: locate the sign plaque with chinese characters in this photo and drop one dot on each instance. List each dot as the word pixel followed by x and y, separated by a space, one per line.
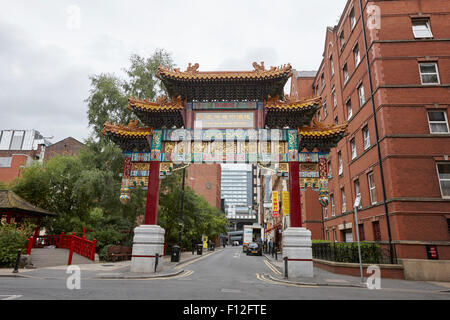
pixel 224 120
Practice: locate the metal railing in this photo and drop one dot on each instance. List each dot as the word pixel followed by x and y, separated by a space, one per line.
pixel 83 247
pixel 371 252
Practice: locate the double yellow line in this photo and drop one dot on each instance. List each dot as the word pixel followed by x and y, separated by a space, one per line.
pixel 272 267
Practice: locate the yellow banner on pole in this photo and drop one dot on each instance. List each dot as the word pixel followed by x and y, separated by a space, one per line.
pixel 285 199
pixel 275 204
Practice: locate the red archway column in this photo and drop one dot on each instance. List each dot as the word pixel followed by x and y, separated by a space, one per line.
pixel 294 195
pixel 151 210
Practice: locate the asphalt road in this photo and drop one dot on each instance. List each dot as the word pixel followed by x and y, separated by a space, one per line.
pixel 224 275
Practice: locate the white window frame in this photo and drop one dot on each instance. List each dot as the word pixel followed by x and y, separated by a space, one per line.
pixel 422 74
pixel 333 94
pixel 438 122
pixel 332 66
pixel 325 111
pixel 358 192
pixel 322 77
pixel 353 148
pixel 334 235
pixel 340 163
pixel 427 24
pixel 356 57
pixel 366 138
pixel 342 39
pixel 5 162
pixel 330 173
pixel 361 95
pixel 352 18
pixel 346 75
pixel 348 104
pixel 439 179
pixel 372 188
pixel 333 208
pixel 344 200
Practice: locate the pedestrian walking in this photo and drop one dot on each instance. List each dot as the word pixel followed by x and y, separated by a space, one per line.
pixel 270 246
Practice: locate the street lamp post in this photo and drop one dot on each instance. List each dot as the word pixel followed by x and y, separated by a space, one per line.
pixel 357 201
pixel 181 210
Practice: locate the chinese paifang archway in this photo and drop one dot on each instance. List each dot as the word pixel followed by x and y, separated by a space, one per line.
pixel 250 102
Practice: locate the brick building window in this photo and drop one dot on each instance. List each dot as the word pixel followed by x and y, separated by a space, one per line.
pixel 5 162
pixel 345 70
pixel 356 55
pixel 361 95
pixel 444 178
pixel 341 167
pixel 328 235
pixel 353 147
pixel 330 173
pixel 342 39
pixel 352 19
pixel 322 78
pixel 358 192
pixel 376 231
pixel 344 205
pixel 372 189
pixel 362 236
pixel 325 111
pixel 366 137
pixel 429 73
pixel 437 121
pixel 349 109
pixel 333 94
pixel 335 235
pixel 333 209
pixel 421 28
pixel 332 66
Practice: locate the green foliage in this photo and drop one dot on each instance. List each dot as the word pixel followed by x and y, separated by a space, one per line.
pixel 12 238
pixel 348 251
pixel 199 218
pixel 108 99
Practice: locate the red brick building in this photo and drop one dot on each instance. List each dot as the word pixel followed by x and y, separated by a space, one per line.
pixel 204 179
pixel 395 96
pixel 68 147
pixel 18 148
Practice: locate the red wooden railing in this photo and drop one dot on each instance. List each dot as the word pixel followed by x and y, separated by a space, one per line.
pixel 75 244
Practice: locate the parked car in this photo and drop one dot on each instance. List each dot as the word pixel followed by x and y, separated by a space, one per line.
pixel 254 249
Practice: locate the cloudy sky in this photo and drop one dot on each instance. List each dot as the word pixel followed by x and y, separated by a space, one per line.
pixel 48 49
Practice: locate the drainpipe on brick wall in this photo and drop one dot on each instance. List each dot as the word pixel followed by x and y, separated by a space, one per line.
pixel 366 49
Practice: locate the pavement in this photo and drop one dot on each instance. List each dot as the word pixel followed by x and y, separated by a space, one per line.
pixel 321 277
pixel 106 270
pixel 223 274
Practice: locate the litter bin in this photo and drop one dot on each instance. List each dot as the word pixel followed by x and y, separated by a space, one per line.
pixel 175 254
pixel 199 249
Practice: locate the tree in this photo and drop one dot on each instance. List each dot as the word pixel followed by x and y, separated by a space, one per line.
pixel 108 99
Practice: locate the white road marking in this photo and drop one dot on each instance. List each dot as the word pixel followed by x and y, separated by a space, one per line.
pixel 10 297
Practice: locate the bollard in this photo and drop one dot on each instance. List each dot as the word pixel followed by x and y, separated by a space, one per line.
pixel 16 267
pixel 285 267
pixel 156 261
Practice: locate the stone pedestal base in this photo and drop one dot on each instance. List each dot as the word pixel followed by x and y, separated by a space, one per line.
pixel 297 248
pixel 147 242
